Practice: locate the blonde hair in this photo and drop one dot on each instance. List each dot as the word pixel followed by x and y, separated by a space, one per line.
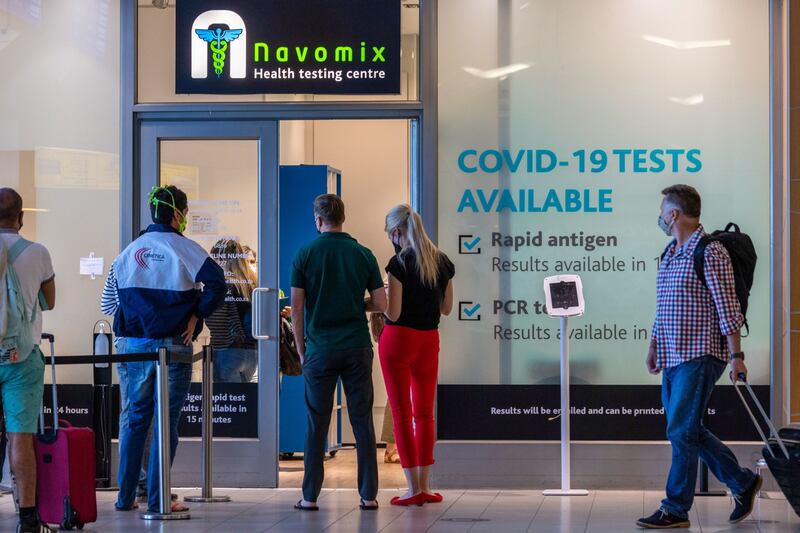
pixel 426 253
pixel 233 259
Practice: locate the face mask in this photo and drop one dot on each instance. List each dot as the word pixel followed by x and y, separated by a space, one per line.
pixel 665 226
pixel 182 224
pixel 397 247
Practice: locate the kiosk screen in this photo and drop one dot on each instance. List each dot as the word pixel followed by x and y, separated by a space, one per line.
pixel 564 295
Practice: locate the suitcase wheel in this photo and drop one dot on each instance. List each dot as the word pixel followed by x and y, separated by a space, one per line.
pixel 71 517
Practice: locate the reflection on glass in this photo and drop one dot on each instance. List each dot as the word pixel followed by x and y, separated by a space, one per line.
pixel 235 350
pixel 686 45
pixel 220 178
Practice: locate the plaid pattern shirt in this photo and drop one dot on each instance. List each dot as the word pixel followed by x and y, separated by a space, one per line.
pixel 692 320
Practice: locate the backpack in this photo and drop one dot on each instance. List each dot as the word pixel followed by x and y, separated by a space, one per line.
pixel 290 364
pixel 743 259
pixel 16 323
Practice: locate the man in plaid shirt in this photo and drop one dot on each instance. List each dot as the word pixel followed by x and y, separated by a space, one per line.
pixel 695 334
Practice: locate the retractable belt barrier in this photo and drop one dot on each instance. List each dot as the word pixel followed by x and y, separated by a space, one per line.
pixel 163 358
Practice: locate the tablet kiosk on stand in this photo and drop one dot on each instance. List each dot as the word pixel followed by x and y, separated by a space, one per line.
pixel 564 299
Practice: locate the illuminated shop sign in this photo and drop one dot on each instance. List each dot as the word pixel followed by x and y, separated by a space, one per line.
pixel 287 46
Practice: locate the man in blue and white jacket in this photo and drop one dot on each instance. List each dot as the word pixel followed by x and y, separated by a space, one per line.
pixel 159 289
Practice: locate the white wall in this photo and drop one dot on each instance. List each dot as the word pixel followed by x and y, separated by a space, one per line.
pixel 60 88
pixel 60 77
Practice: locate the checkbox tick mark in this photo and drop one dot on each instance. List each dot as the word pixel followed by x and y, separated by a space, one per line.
pixel 470 245
pixel 468 311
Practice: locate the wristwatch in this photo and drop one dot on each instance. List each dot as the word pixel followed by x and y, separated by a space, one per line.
pixel 738 355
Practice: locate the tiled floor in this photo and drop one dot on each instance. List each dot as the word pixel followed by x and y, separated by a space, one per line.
pixel 462 511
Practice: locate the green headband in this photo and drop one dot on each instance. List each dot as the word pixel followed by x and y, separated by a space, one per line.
pixel 154 201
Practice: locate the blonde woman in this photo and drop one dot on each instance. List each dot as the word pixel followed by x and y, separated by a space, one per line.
pixel 235 351
pixel 420 291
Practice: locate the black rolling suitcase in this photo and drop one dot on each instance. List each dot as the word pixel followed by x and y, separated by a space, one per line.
pixel 781 451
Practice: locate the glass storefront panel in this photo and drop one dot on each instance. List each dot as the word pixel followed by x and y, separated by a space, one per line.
pixel 59 144
pixel 559 125
pixel 156 62
pixel 220 179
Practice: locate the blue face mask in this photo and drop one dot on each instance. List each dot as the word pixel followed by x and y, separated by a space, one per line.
pixel 665 226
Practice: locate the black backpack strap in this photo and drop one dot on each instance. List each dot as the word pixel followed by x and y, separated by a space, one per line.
pixel 700 258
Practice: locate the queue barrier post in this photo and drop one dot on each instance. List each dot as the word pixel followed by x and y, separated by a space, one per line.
pixel 164 463
pixel 206 495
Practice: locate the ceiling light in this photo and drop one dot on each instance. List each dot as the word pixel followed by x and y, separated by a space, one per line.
pixel 685 45
pixel 499 72
pixel 695 99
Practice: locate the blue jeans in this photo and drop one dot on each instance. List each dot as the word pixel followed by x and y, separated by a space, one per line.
pixel 140 392
pixel 122 371
pixel 235 365
pixel 685 392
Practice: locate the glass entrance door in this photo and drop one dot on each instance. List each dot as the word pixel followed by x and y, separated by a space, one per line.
pixel 229 172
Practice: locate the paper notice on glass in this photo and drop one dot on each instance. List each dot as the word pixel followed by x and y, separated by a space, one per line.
pixel 204 224
pixel 92 266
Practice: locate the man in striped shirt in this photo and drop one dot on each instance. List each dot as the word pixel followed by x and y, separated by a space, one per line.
pixel 695 334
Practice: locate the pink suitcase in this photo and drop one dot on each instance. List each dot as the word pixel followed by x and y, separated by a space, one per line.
pixel 65 469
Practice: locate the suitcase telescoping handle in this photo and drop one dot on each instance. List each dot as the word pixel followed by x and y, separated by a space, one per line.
pixel 773 431
pixel 51 339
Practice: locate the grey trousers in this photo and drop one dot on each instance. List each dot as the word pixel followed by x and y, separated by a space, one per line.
pixel 321 372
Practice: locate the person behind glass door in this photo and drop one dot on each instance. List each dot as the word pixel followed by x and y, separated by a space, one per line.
pixel 163 285
pixel 235 353
pixel 21 361
pixel 329 278
pixel 252 259
pixel 420 291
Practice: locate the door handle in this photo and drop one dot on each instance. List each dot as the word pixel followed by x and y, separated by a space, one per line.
pixel 255 327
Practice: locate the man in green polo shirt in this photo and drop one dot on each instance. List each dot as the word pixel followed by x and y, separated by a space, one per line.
pixel 330 277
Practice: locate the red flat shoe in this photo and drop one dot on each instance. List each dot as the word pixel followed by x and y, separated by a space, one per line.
pixel 432 498
pixel 413 500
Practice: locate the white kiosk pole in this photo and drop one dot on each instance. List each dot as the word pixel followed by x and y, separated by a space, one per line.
pixel 566 489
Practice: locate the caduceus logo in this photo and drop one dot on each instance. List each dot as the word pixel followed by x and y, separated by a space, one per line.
pixel 218 42
pixel 227 46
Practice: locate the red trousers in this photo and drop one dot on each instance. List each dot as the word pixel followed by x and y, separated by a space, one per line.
pixel 410 363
